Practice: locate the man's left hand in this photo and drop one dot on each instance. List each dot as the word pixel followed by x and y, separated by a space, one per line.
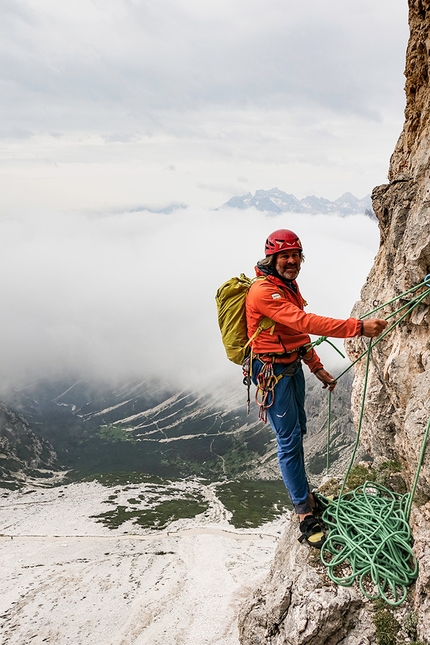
pixel 327 379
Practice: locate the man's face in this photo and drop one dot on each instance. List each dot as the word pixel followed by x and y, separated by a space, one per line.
pixel 288 264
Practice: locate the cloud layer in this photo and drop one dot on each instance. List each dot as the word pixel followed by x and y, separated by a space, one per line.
pixel 132 294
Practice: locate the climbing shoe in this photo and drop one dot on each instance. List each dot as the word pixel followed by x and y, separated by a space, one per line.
pixel 311 532
pixel 321 503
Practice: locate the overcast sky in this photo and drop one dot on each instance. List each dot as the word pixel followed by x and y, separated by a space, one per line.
pixel 109 106
pixel 123 103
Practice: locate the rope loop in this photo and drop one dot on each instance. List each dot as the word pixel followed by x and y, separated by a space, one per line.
pixel 370 540
pixel 369 537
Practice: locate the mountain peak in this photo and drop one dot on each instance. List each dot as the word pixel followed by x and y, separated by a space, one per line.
pixel 276 201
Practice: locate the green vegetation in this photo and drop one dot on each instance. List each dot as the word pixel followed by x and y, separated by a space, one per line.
pixel 85 449
pixel 113 433
pixel 40 474
pixel 23 452
pixel 253 502
pixel 158 517
pixel 386 474
pixel 392 466
pixel 358 475
pixel 10 485
pixel 387 627
pixel 10 464
pixel 410 624
pixel 123 479
pixel 394 627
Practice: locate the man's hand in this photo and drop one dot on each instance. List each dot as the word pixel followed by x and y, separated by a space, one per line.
pixel 373 327
pixel 326 378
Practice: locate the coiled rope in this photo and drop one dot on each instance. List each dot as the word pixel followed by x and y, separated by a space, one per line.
pixel 370 541
pixel 369 537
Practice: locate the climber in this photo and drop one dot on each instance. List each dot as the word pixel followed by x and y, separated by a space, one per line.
pixel 277 354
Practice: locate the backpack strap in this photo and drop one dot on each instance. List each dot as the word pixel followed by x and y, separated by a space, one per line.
pixel 265 322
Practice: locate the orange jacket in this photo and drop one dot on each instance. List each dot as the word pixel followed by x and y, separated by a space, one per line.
pixel 273 298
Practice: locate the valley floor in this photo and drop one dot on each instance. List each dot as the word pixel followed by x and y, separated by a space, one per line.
pixel 67 578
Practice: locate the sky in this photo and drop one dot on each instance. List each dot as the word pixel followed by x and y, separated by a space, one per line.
pixel 112 107
pixel 127 103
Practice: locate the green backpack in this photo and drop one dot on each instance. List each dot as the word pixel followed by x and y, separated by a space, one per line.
pixel 230 299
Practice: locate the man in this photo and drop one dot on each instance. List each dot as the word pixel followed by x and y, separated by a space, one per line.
pixel 277 354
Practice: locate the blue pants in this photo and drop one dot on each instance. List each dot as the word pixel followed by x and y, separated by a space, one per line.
pixel 288 419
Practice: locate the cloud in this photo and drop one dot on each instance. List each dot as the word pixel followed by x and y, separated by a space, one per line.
pixel 306 96
pixel 129 60
pixel 133 294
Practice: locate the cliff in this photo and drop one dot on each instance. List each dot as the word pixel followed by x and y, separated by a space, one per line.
pixel 297 603
pixel 23 455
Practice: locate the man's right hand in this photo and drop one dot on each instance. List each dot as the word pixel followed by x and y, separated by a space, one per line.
pixel 373 327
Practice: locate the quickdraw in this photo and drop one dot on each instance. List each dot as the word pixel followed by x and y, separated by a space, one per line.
pixel 265 395
pixel 246 371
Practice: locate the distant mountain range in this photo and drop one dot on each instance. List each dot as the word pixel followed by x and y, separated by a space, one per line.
pixel 275 201
pixel 91 428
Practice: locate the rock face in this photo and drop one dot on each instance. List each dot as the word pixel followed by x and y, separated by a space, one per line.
pixel 398 403
pixel 22 453
pixel 298 605
pixel 295 595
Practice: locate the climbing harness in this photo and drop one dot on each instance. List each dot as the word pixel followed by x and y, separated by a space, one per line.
pixel 369 537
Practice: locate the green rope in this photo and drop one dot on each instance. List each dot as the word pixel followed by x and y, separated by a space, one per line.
pixel 324 339
pixel 412 304
pixel 328 431
pixel 370 541
pixel 417 473
pixel 369 536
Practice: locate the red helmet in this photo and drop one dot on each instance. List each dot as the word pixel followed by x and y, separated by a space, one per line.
pixel 282 240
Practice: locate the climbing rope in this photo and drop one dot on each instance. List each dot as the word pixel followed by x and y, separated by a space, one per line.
pixel 369 540
pixel 369 536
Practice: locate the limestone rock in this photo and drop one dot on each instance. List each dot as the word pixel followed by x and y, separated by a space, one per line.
pixel 398 402
pixel 299 604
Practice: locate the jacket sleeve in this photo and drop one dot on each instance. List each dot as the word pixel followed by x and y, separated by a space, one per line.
pixel 281 310
pixel 313 361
